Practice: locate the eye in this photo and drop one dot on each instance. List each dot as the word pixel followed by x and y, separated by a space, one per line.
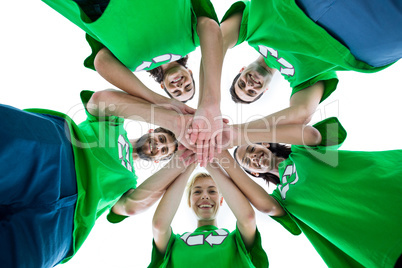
pixel 176 93
pixel 252 93
pixel 188 88
pixel 164 150
pixel 197 192
pixel 252 149
pixel 160 139
pixel 212 192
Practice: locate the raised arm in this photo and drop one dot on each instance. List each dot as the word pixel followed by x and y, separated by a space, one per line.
pixel 118 103
pixel 237 202
pixel 303 105
pixel 298 134
pixel 144 196
pixel 230 31
pixel 257 196
pixel 167 209
pixel 110 68
pixel 207 124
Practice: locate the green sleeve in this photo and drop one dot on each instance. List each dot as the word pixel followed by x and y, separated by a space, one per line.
pixel 115 218
pixel 158 259
pixel 330 80
pixel 95 47
pixel 332 132
pixel 204 8
pixel 241 6
pixel 85 97
pixel 286 221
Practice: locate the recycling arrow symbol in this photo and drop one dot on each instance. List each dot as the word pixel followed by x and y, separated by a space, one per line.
pixel 193 240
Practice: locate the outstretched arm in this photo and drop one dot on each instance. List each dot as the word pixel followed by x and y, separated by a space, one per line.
pixel 206 127
pixel 237 202
pixel 167 209
pixel 303 105
pixel 110 68
pixel 148 193
pixel 118 103
pixel 291 134
pixel 257 196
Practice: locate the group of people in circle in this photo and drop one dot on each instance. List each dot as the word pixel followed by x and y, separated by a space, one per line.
pixel 75 173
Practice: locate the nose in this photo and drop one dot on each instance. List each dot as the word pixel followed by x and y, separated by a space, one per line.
pixel 205 196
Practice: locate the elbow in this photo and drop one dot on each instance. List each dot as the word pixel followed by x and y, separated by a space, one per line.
pixel 303 114
pixel 248 220
pixel 210 26
pixel 311 136
pixel 101 59
pixel 159 225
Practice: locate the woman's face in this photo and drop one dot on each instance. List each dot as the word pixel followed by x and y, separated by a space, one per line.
pixel 256 158
pixel 179 83
pixel 205 199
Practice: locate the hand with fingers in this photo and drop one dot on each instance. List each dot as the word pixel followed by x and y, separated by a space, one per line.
pixel 206 133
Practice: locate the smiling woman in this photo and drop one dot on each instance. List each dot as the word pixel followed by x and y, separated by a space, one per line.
pixel 208 245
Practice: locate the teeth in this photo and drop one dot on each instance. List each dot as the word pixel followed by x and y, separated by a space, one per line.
pixel 255 81
pixel 205 206
pixel 176 80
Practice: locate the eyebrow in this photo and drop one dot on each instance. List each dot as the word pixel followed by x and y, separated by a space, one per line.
pixel 245 154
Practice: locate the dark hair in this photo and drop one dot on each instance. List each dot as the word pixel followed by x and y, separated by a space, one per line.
pixel 280 150
pixel 158 75
pixel 140 142
pixel 236 98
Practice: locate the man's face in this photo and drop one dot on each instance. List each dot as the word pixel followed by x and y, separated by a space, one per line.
pixel 252 82
pixel 179 83
pixel 156 146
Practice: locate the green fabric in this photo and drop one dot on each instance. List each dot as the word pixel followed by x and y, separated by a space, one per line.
pixel 290 42
pixel 210 247
pixel 141 34
pixel 103 162
pixel 347 203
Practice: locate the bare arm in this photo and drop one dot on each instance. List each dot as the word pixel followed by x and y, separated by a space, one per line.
pixel 110 68
pixel 303 104
pixel 167 209
pixel 148 193
pixel 230 31
pixel 292 134
pixel 207 124
pixel 237 202
pixel 257 196
pixel 118 103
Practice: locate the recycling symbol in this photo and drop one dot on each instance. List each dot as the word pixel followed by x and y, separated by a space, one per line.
pixel 211 239
pixel 162 58
pixel 286 68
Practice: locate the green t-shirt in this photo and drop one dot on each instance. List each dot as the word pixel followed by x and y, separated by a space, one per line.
pixel 210 247
pixel 104 167
pixel 303 52
pixel 141 34
pixel 347 203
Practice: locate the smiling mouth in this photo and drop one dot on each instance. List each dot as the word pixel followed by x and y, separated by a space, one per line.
pixel 254 80
pixel 174 81
pixel 205 206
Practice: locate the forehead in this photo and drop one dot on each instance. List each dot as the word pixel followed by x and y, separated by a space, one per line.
pixel 204 182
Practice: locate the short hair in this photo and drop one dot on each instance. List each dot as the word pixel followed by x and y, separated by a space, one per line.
pixel 280 150
pixel 158 75
pixel 143 138
pixel 236 98
pixel 191 183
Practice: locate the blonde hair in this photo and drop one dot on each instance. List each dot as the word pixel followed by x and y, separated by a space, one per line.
pixel 191 183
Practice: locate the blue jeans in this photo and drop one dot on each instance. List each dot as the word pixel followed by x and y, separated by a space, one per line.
pixel 38 189
pixel 371 29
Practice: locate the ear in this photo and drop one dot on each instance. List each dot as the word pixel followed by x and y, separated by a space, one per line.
pixel 242 69
pixel 150 131
pixel 221 201
pixel 255 174
pixel 265 144
pixel 191 72
pixel 162 85
pixel 156 161
pixel 266 89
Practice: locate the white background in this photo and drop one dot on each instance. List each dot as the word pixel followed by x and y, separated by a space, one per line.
pixel 41 67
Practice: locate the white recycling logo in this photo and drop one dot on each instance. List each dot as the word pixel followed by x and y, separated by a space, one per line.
pixel 211 239
pixel 158 59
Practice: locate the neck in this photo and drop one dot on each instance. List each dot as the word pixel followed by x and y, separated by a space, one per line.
pixel 133 145
pixel 260 61
pixel 207 222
